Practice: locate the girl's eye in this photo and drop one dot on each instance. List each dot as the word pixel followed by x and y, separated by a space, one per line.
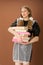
pixel 24 11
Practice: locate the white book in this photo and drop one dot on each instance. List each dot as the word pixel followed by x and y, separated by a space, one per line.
pixel 20 27
pixel 20 30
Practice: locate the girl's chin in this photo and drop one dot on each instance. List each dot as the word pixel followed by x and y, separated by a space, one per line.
pixel 24 16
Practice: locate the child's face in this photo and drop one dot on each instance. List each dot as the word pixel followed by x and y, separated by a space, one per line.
pixel 24 12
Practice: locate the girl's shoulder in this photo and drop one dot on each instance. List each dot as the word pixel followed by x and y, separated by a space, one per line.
pixel 35 23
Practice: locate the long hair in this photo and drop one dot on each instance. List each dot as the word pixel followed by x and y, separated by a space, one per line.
pixel 21 23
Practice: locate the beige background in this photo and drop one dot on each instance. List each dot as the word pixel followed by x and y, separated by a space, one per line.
pixel 9 11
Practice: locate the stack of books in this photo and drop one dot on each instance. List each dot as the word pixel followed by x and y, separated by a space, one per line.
pixel 24 35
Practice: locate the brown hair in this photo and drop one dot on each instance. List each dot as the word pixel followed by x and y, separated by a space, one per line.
pixel 29 10
pixel 20 23
pixel 29 25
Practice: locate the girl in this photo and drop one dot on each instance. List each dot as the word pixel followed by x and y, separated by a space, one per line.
pixel 22 53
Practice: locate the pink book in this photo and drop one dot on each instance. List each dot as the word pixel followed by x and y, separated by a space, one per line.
pixel 27 33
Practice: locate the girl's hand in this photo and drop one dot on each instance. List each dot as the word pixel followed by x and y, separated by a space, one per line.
pixel 17 38
pixel 25 43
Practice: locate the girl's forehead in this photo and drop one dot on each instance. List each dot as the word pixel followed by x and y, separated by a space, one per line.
pixel 23 9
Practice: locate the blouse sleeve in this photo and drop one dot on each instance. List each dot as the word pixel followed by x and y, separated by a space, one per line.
pixel 36 29
pixel 14 24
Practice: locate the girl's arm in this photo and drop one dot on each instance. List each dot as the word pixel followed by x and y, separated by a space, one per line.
pixel 12 31
pixel 34 39
pixel 35 32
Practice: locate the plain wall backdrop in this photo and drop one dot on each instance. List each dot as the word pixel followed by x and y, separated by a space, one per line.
pixel 9 11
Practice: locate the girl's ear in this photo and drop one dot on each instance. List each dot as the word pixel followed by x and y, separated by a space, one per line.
pixel 28 14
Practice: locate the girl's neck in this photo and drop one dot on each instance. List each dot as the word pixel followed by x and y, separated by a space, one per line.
pixel 26 18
